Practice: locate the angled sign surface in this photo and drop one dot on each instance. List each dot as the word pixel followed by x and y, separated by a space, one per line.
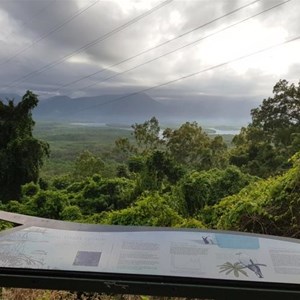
pixel 187 258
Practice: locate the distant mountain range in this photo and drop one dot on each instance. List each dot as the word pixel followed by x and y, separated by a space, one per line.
pixel 10 96
pixel 141 107
pixel 106 108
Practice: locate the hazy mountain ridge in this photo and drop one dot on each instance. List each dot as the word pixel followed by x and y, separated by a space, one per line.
pixel 140 107
pixel 213 107
pixel 10 96
pixel 104 108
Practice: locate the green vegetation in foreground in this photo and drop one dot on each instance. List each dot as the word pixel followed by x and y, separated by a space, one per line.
pixel 181 177
pixel 21 154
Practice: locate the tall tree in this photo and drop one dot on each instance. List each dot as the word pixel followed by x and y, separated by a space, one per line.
pixel 279 116
pixel 87 164
pixel 147 139
pixel 188 144
pixel 191 146
pixel 265 145
pixel 21 155
pixel 147 135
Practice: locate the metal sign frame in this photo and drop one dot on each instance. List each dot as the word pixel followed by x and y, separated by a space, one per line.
pixel 118 283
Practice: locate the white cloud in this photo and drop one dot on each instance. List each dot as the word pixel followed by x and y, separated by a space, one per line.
pixel 252 76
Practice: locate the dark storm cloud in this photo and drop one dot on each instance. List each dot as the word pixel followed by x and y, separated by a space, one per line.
pixel 223 83
pixel 26 21
pixel 101 19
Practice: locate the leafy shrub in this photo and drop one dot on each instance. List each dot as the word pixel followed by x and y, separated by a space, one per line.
pixel 270 206
pixel 71 213
pixel 30 189
pixel 48 204
pixel 151 210
pixel 199 189
pixel 61 182
pixel 190 223
pixel 108 194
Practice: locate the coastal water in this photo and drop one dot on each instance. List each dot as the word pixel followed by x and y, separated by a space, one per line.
pixel 212 130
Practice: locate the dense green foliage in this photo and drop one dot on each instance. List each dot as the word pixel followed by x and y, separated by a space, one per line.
pixel 87 164
pixel 182 177
pixel 264 147
pixel 21 155
pixel 206 188
pixel 267 206
pixel 191 146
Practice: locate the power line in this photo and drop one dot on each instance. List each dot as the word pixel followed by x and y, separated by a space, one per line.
pixel 55 29
pixel 159 45
pixel 184 46
pixel 194 74
pixel 88 45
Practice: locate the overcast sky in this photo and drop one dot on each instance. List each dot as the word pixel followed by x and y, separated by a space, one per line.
pixel 35 34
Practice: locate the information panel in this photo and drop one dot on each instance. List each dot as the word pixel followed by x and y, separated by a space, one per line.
pixel 167 253
pixel 44 253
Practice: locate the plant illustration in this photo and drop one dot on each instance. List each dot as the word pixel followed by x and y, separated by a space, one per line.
pixel 244 262
pixel 236 268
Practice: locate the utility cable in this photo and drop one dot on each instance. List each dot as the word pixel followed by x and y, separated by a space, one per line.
pixel 157 46
pixel 182 47
pixel 55 29
pixel 193 74
pixel 88 45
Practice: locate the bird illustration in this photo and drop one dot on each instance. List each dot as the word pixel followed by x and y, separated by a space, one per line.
pixel 248 262
pixel 207 240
